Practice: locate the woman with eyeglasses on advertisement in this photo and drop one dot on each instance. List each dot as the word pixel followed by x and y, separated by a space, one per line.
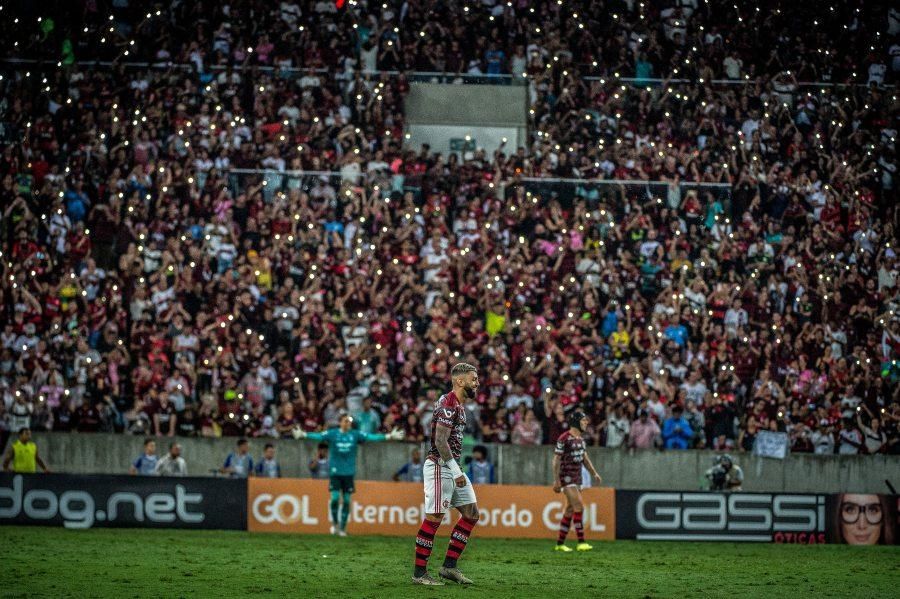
pixel 864 519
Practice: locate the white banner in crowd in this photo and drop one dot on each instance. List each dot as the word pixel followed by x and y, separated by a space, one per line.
pixel 770 444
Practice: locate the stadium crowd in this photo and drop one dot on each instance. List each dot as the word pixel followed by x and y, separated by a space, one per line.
pixel 150 288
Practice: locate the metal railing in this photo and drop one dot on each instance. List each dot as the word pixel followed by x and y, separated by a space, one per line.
pixel 271 182
pixel 413 76
pixel 612 191
pixel 285 72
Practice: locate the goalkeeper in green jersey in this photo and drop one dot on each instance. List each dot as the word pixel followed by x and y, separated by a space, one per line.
pixel 342 442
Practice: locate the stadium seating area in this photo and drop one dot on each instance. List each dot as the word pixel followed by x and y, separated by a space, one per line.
pixel 156 280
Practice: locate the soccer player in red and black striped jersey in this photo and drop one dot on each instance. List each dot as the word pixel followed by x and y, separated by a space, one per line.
pixel 567 460
pixel 445 484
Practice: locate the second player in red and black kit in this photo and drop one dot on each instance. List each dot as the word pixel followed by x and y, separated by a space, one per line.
pixel 570 448
pixel 568 458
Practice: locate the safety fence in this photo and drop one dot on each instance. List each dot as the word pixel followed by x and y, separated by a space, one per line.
pixel 291 73
pixel 712 198
pixel 396 509
pixel 668 194
pixel 513 464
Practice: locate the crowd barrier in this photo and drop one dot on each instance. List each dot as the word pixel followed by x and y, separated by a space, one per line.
pixel 514 465
pixel 43 65
pixel 300 506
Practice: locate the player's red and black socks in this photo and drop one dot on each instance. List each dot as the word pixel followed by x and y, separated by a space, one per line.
pixel 458 539
pixel 579 526
pixel 563 529
pixel 424 545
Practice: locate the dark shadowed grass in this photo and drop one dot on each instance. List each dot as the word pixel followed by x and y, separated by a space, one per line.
pixel 54 562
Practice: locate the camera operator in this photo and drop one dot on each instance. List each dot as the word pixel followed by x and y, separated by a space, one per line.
pixel 725 475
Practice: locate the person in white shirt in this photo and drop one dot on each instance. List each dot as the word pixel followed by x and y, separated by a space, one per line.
pixel 751 124
pixel 656 407
pixel 732 65
pixel 851 439
pixel 377 163
pixel 162 295
pixel 695 388
pixel 290 13
pixel 266 378
pixel 437 246
pixel 310 79
pixel 517 397
pixel 894 52
pixel 695 294
pixel 519 63
pixel 172 464
pixel 877 72
pixel 874 436
pixel 289 111
pixel 735 317
pixel 433 264
pixel 823 440
pixel 355 334
pixel 285 316
pixel 60 225
pixel 617 428
pixel 178 388
pixel 28 340
pixel 649 247
pixel 590 270
pixel 785 85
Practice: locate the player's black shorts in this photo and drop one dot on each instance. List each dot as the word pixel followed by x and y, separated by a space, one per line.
pixel 344 484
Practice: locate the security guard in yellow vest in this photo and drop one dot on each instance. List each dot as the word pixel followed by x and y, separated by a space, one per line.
pixel 24 455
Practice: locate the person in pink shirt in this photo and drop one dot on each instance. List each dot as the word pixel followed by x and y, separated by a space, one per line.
pixel 527 431
pixel 644 432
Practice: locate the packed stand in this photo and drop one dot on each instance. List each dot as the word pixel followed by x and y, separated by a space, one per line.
pixel 150 288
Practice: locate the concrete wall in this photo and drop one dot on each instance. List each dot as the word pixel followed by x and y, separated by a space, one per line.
pixel 674 470
pixel 474 105
pixel 436 113
pixel 111 454
pixel 797 473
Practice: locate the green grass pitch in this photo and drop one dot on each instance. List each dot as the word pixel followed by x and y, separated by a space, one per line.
pixel 54 562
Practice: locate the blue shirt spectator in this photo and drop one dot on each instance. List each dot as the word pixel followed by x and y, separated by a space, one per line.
pixel 145 465
pixel 334 227
pixel 239 464
pixel 411 472
pixel 677 432
pixel 77 204
pixel 610 323
pixel 494 59
pixel 677 333
pixel 268 466
pixel 481 471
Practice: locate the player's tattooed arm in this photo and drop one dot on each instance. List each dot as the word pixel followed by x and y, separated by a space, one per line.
pixel 442 442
